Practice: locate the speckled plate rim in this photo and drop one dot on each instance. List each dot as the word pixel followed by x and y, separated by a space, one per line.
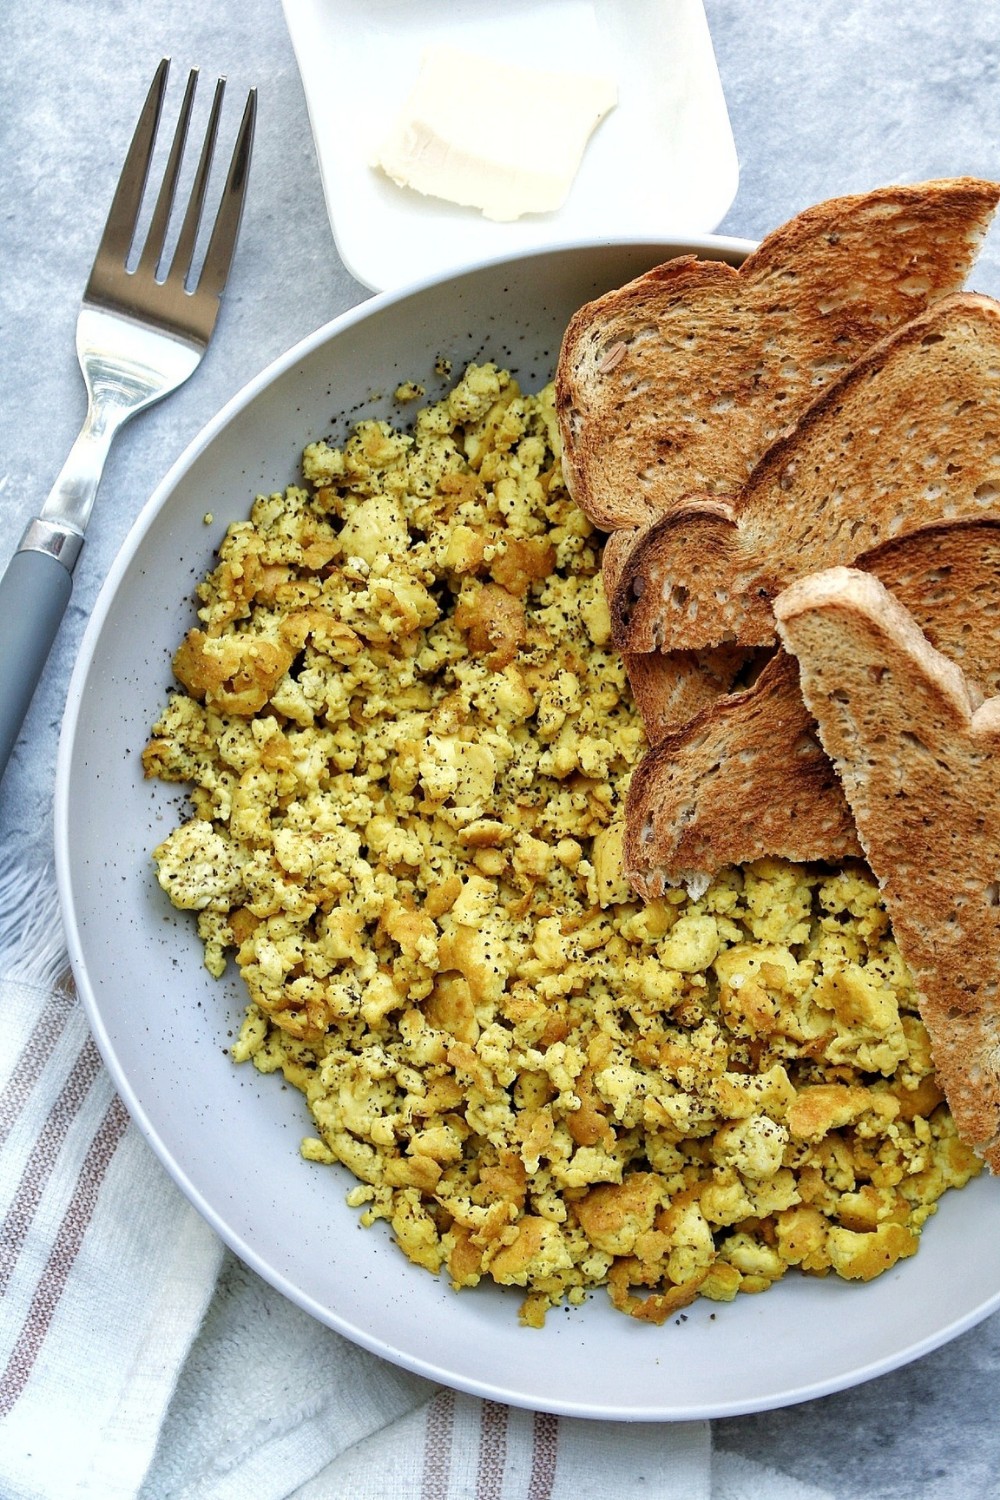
pixel 802 1340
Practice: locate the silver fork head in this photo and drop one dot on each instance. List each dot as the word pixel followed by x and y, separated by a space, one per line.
pixel 171 302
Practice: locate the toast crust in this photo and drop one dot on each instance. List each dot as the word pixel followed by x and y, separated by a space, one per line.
pixel 677 382
pixel 906 438
pixel 918 756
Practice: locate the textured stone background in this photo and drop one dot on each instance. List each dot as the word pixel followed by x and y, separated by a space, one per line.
pixel 826 96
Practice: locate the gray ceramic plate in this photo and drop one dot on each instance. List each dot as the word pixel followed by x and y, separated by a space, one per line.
pixel 230 1137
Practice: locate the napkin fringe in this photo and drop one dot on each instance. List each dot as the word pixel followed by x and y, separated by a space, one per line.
pixel 32 944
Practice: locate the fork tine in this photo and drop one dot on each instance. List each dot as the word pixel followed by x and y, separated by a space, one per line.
pixel 184 253
pixel 222 244
pixel 157 233
pixel 119 229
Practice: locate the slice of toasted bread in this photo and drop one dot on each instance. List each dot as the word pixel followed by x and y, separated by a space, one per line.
pixel 670 687
pixel 918 754
pixel 677 382
pixel 908 436
pixel 747 777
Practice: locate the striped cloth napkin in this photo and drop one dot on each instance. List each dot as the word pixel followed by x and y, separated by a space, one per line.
pixel 140 1359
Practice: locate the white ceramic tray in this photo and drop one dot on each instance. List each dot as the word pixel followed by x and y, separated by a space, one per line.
pixel 662 163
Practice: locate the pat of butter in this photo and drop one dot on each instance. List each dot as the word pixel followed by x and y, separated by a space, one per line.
pixel 493 136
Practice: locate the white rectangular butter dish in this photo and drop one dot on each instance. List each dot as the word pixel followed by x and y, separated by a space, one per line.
pixel 662 162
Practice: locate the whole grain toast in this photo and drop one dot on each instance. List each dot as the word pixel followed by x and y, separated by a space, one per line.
pixel 748 776
pixel 908 436
pixel 677 382
pixel 918 753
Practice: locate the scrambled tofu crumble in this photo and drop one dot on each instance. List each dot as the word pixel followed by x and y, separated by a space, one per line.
pixel 408 741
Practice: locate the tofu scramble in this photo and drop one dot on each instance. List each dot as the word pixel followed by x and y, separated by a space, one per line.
pixel 408 741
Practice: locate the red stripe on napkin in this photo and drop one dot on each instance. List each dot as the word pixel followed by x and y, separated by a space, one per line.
pixel 63 1254
pixel 42 1161
pixel 544 1447
pixel 437 1446
pixel 492 1451
pixel 35 1054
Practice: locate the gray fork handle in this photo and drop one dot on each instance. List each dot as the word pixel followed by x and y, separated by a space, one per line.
pixel 34 593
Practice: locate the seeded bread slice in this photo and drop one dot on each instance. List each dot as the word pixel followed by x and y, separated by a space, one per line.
pixel 918 754
pixel 910 435
pixel 748 776
pixel 677 382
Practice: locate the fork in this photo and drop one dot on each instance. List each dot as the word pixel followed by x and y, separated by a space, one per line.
pixel 141 332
